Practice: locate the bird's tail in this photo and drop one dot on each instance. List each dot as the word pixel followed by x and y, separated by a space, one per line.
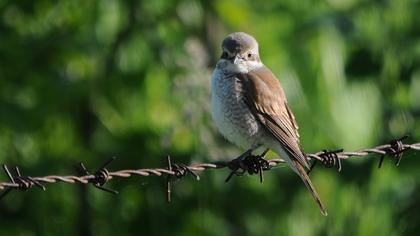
pixel 304 176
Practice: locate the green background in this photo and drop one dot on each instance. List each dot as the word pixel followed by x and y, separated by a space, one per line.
pixel 82 81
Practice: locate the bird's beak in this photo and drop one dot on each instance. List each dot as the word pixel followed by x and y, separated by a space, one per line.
pixel 237 60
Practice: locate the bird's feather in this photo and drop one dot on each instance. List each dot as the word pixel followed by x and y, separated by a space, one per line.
pixel 267 101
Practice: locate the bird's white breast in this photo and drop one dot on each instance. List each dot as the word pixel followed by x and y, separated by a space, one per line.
pixel 230 113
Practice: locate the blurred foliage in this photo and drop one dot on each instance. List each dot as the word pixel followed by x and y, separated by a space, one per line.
pixel 87 80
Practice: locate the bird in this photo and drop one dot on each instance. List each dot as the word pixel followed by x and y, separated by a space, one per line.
pixel 250 109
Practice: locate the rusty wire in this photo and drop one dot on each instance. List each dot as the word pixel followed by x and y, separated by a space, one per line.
pixel 99 178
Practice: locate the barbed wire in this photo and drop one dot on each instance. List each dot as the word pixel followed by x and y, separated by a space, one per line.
pixel 246 163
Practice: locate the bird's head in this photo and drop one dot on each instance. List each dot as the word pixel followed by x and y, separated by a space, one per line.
pixel 240 53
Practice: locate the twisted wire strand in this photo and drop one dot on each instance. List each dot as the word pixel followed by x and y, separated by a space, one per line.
pixel 394 148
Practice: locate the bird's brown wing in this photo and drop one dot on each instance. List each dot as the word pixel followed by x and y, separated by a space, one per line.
pixel 267 101
pixel 292 118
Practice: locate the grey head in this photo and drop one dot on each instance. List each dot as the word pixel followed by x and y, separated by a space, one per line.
pixel 239 48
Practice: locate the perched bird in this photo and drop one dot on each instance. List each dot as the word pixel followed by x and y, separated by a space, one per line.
pixel 250 108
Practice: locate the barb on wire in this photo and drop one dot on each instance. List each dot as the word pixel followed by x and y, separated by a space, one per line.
pixel 246 163
pixel 20 182
pixel 329 159
pixel 179 171
pixel 100 177
pixel 396 150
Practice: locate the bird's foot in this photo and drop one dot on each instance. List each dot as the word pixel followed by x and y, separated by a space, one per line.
pixel 247 162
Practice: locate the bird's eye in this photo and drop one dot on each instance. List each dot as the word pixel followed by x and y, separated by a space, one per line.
pixel 249 55
pixel 224 55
